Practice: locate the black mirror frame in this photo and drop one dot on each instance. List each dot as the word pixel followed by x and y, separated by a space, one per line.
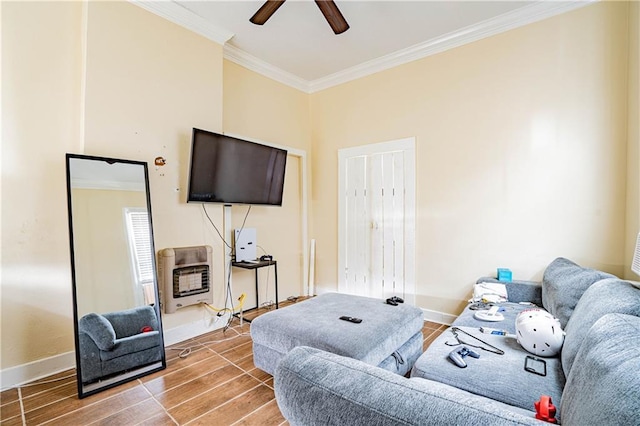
pixel 146 371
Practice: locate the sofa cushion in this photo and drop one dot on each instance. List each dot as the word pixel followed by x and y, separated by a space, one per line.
pixel 604 386
pixel 99 329
pixel 499 377
pixel 314 387
pixel 563 284
pixel 132 344
pixel 611 295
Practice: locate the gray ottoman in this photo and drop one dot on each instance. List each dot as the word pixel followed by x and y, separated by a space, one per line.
pixel 389 336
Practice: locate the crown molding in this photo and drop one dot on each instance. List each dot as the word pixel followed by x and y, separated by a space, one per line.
pixel 107 185
pixel 505 22
pixel 177 14
pixel 527 15
pixel 246 60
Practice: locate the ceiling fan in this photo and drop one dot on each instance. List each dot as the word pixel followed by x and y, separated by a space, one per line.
pixel 327 7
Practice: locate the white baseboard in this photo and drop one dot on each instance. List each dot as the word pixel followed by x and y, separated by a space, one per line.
pixel 191 330
pixel 25 373
pixel 439 317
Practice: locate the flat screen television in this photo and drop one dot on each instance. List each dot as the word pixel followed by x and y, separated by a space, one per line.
pixel 229 170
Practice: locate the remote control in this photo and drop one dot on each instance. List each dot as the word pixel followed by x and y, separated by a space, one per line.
pixel 351 319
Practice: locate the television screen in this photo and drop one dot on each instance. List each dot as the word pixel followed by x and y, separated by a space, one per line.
pixel 229 170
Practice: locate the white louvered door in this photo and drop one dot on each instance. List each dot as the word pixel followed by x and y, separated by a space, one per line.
pixel 376 225
pixel 357 226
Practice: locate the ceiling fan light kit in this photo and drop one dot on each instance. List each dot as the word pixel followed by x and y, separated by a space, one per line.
pixel 328 8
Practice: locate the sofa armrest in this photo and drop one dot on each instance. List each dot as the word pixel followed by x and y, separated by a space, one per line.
pixel 519 291
pixel 317 387
pixel 99 329
pixel 90 363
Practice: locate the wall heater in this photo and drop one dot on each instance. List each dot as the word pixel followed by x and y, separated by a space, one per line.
pixel 185 275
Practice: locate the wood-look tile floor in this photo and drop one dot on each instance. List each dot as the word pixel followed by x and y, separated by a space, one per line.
pixel 216 383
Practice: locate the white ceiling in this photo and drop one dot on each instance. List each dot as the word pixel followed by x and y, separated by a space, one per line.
pixel 297 47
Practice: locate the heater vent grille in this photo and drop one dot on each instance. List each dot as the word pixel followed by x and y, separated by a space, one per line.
pixel 190 280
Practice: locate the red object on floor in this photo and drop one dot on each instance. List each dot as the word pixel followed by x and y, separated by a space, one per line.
pixel 545 410
pixel 146 329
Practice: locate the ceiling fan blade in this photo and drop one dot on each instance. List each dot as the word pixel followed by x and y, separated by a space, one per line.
pixel 265 11
pixel 333 16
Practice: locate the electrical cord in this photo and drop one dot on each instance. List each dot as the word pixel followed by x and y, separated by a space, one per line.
pixel 245 219
pixel 215 227
pixel 185 352
pixel 232 254
pixel 228 299
pixel 491 348
pixel 268 303
pixel 46 381
pixel 220 312
pixel 229 296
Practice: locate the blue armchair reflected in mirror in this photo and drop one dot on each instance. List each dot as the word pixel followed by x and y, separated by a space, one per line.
pixel 117 342
pixel 118 328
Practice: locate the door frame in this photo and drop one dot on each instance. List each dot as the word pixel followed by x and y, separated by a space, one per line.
pixel 407 146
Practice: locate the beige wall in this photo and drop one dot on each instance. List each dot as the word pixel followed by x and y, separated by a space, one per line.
pixel 527 149
pixel 521 151
pixel 73 83
pixel 148 84
pixel 633 150
pixel 41 86
pixel 260 108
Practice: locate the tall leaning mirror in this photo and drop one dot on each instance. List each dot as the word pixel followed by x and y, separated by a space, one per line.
pixel 118 329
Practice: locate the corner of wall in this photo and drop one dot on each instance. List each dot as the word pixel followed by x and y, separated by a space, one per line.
pixel 633 136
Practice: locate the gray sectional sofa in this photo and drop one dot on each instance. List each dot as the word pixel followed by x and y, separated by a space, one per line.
pixel 595 380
